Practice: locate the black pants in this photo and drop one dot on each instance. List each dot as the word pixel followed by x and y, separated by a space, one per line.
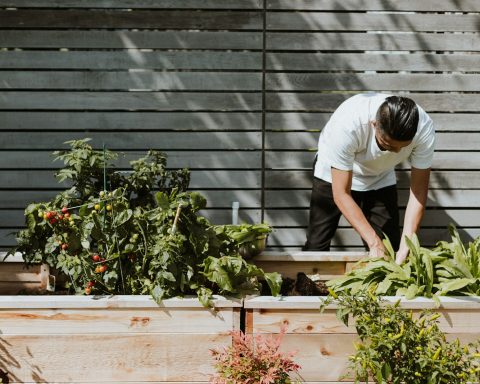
pixel 379 207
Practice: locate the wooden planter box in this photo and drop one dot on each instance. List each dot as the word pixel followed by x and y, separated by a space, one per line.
pixel 325 265
pixel 112 339
pixel 16 277
pixel 324 343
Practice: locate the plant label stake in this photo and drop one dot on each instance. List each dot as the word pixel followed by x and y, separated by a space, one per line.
pixel 175 221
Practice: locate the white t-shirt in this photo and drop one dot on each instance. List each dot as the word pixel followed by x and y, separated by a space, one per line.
pixel 348 143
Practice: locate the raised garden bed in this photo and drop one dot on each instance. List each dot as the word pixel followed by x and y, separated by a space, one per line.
pixel 16 277
pixel 324 343
pixel 112 339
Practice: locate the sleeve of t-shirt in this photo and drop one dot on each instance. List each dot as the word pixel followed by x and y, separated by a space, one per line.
pixel 342 148
pixel 422 154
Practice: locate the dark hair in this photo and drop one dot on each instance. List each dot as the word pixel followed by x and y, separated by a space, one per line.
pixel 398 118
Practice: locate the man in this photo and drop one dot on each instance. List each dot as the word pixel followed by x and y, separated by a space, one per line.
pixel 354 175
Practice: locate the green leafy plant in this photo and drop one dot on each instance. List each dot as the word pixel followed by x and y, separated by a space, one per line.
pixel 145 236
pixel 449 268
pixel 249 238
pixel 399 347
pixel 253 360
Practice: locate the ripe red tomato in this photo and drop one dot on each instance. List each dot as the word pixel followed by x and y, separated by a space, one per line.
pixel 53 221
pixel 88 290
pixel 64 246
pixel 103 268
pixel 96 258
pixel 64 210
pixel 60 217
pixel 90 284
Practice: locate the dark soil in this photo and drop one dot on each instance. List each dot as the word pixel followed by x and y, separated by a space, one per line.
pixel 301 286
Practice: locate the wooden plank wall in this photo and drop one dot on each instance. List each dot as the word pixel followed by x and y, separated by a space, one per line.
pixel 237 91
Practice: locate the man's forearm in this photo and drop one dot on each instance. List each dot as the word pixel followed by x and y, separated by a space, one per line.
pixel 413 217
pixel 357 219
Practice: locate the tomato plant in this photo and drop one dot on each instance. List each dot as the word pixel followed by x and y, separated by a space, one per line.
pixel 121 241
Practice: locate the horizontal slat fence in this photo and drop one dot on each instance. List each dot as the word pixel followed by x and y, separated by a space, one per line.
pixel 237 91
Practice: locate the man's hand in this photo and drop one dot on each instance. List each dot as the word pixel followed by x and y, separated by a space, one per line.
pixel 376 248
pixel 402 254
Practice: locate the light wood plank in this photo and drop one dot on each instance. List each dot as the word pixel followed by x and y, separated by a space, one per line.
pixel 324 102
pixel 141 357
pixel 324 271
pixel 118 121
pixel 115 321
pixel 154 101
pixel 131 59
pixel 18 272
pixel 131 39
pixel 344 41
pixel 370 82
pixel 310 321
pixel 376 5
pixel 333 21
pixel 151 4
pixel 371 61
pixel 290 121
pixel 98 19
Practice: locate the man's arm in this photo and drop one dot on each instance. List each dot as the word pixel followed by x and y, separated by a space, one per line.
pixel 415 208
pixel 341 186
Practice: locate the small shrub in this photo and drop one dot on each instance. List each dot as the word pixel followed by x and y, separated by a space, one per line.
pixel 253 360
pixel 396 347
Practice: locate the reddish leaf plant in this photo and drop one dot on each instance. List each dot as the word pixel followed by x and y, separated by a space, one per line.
pixel 253 360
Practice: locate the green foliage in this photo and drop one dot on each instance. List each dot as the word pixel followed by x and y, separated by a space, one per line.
pixel 399 347
pixel 125 241
pixel 449 268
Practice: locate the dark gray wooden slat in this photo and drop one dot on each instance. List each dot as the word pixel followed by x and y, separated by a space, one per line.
pixel 372 82
pixel 436 198
pixel 323 102
pixel 159 101
pixel 132 4
pixel 113 121
pixel 138 19
pixel 406 61
pixel 376 5
pixel 32 159
pixel 335 21
pixel 348 237
pixel 308 141
pixel 14 218
pixel 130 59
pixel 135 140
pixel 19 199
pixel 120 39
pixel 316 121
pixel 296 179
pixel 304 160
pixel 151 81
pixel 372 42
pixel 210 179
pixel 439 218
pixel 296 237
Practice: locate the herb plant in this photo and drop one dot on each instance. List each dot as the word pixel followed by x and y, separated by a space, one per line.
pixel 449 268
pixel 144 236
pixel 399 347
